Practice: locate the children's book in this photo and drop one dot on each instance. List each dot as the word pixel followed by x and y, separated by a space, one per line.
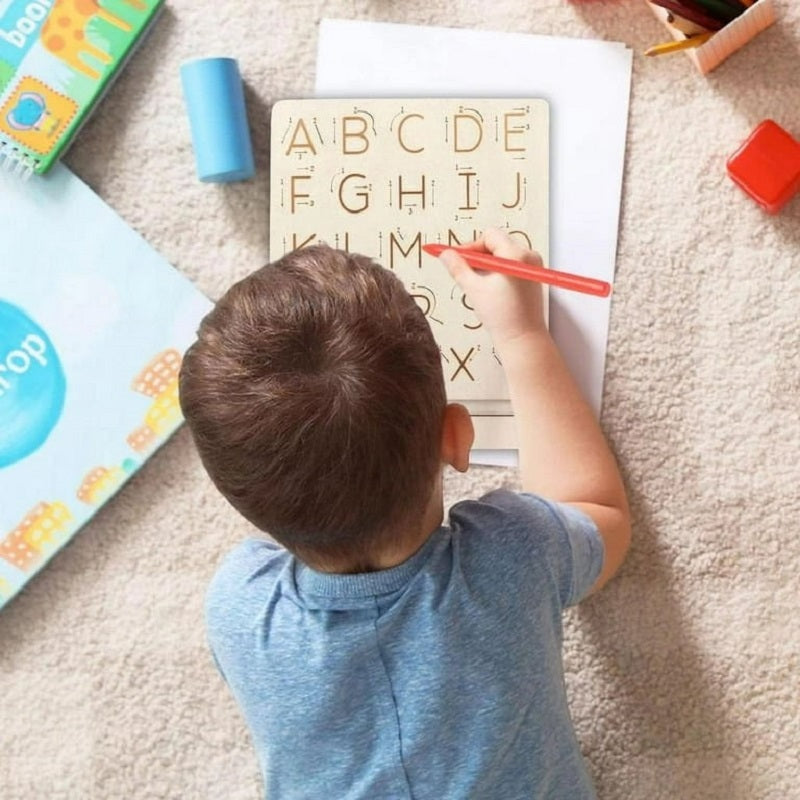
pixel 383 177
pixel 57 58
pixel 93 326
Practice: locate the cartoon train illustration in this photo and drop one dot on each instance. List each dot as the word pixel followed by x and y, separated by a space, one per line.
pixel 142 439
pixel 159 380
pixel 48 525
pixel 155 378
pixel 99 484
pixel 44 528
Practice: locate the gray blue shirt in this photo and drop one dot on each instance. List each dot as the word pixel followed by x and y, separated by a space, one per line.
pixel 438 679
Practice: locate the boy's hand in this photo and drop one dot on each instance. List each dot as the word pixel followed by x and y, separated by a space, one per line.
pixel 508 307
pixel 562 452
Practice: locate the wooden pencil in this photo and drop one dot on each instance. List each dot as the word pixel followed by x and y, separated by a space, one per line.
pixel 681 44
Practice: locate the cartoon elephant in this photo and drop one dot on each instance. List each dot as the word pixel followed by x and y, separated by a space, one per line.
pixel 29 111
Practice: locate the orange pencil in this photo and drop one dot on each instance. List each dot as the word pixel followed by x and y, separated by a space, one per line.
pixel 518 269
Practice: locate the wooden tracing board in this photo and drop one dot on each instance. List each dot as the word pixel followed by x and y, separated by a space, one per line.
pixel 382 177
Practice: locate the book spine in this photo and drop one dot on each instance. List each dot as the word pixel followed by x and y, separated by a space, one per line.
pixel 14 160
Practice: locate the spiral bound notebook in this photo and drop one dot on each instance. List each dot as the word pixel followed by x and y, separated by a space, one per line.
pixel 57 59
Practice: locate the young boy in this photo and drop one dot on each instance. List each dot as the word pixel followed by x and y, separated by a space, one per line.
pixel 376 653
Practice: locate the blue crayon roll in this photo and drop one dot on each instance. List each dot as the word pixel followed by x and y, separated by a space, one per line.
pixel 214 97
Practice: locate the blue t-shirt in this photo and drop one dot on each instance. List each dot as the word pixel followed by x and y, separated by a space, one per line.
pixel 438 679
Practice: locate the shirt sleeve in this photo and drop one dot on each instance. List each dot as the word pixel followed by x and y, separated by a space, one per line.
pixel 561 540
pixel 229 600
pixel 579 545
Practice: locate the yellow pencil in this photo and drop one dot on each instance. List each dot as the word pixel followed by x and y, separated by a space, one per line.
pixel 682 44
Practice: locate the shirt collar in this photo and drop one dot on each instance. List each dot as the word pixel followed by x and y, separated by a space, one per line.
pixel 363 584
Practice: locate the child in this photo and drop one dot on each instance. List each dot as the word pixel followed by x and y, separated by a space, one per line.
pixel 376 653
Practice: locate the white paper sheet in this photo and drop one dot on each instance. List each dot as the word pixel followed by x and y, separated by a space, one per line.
pixel 587 83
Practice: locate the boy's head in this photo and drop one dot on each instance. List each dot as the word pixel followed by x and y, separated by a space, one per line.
pixel 315 395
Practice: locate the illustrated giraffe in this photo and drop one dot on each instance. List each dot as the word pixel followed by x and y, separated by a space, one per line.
pixel 64 31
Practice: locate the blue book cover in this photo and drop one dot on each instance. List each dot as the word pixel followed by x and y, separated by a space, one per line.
pixel 93 326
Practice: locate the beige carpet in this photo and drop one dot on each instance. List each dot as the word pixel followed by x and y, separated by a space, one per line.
pixel 684 674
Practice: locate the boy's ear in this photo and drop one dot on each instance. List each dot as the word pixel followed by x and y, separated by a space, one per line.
pixel 458 434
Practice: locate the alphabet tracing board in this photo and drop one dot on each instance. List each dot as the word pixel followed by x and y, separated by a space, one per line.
pixel 382 177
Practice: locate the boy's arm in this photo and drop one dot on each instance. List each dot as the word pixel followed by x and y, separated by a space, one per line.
pixel 563 453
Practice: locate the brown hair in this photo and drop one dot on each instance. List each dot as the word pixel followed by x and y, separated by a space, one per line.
pixel 315 396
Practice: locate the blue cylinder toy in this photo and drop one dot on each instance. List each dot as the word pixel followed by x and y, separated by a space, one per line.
pixel 218 119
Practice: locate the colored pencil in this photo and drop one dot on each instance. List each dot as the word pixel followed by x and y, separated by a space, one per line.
pixel 698 17
pixel 737 5
pixel 681 44
pixel 684 26
pixel 718 8
pixel 519 269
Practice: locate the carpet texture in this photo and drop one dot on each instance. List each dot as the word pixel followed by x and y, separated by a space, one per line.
pixel 684 674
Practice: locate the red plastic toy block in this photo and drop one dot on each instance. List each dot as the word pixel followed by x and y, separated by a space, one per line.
pixel 767 166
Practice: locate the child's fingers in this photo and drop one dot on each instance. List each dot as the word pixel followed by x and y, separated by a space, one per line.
pixel 494 241
pixel 499 243
pixel 459 270
pixel 478 244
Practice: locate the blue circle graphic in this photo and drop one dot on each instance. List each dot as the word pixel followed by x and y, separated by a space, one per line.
pixel 32 385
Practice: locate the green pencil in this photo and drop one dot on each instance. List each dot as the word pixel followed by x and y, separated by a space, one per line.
pixel 719 9
pixel 737 5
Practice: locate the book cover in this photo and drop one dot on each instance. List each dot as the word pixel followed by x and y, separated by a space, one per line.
pixel 382 177
pixel 93 326
pixel 57 57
